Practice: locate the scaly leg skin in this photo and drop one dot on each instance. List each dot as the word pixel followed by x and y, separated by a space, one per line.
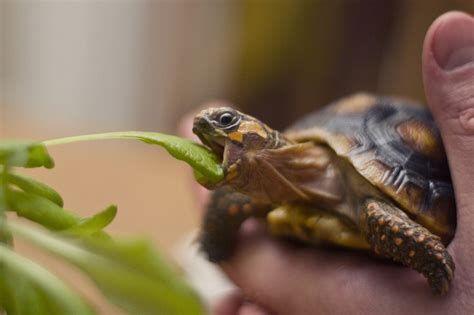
pixel 392 234
pixel 226 212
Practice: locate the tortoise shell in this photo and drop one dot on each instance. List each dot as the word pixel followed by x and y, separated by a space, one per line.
pixel 396 146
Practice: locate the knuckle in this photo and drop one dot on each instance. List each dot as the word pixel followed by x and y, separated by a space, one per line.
pixel 466 119
pixel 458 102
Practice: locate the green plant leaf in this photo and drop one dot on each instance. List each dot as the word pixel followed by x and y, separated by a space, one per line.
pixel 197 156
pixel 41 210
pixel 45 212
pixel 25 154
pixel 93 224
pixel 32 186
pixel 129 273
pixel 29 289
pixel 21 296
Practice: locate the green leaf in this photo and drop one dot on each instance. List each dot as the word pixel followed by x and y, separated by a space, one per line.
pixel 129 273
pixel 35 187
pixel 197 156
pixel 25 154
pixel 50 215
pixel 29 289
pixel 20 296
pixel 201 179
pixel 41 210
pixel 93 224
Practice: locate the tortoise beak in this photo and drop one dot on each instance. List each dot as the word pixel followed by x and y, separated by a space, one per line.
pixel 215 144
pixel 209 135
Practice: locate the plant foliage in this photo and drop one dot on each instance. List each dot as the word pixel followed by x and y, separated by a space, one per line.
pixel 129 272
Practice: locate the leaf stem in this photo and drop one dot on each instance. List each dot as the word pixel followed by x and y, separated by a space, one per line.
pixel 90 137
pixel 200 158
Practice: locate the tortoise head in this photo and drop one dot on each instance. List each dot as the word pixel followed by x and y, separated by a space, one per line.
pixel 261 162
pixel 222 126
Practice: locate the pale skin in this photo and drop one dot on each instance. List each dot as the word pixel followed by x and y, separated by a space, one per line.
pixel 277 278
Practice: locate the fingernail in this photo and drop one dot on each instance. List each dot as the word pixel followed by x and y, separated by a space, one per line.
pixel 453 43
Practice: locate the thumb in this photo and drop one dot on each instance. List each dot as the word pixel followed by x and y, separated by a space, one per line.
pixel 448 73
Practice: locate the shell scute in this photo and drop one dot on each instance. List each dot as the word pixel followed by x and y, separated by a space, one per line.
pixel 396 146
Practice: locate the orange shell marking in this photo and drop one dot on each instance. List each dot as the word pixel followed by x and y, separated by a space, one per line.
pixel 357 103
pixel 234 209
pixel 420 138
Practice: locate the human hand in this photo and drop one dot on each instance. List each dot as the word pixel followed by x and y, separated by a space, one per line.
pixel 282 279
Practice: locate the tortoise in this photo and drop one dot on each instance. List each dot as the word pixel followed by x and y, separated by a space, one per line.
pixel 366 172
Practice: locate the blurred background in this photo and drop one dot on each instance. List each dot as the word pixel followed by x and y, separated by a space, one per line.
pixel 74 67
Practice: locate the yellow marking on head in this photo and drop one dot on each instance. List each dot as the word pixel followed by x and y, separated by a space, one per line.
pixel 252 126
pixel 356 103
pixel 411 253
pixel 236 136
pixel 420 138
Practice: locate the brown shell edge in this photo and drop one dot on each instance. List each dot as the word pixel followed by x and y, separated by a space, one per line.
pixel 374 170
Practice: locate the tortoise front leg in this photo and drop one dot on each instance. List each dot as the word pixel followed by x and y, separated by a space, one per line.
pixel 226 212
pixel 393 234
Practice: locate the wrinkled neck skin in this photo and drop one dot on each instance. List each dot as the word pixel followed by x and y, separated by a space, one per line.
pixel 284 171
pixel 308 173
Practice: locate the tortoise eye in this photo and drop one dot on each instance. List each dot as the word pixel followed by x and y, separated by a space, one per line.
pixel 226 119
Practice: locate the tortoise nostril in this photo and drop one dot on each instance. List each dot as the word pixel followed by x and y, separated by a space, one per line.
pixel 202 126
pixel 199 124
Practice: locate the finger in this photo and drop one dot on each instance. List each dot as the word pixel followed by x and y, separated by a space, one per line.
pixel 269 272
pixel 287 279
pixel 448 73
pixel 229 305
pixel 235 304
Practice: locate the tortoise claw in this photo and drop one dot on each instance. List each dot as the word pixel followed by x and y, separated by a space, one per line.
pixel 441 275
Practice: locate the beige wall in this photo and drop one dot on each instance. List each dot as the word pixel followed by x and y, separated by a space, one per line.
pixel 70 67
pixel 84 66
